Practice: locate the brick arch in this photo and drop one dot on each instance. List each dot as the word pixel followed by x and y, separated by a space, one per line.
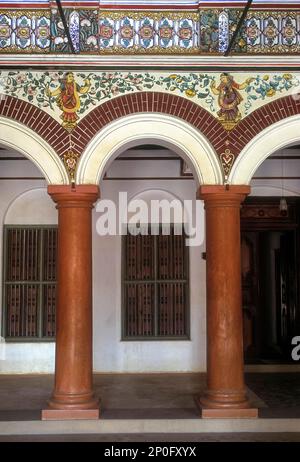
pixel 265 131
pixel 37 120
pixel 57 137
pixel 260 119
pixel 165 129
pixel 155 102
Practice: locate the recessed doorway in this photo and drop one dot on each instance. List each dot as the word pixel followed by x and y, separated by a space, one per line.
pixel 270 287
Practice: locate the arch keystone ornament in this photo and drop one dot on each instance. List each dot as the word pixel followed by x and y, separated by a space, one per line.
pixel 225 396
pixel 227 159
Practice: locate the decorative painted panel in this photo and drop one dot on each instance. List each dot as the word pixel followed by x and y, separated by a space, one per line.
pixel 240 45
pixel 223 29
pixel 69 96
pixel 121 32
pixel 24 31
pixel 59 40
pixel 94 30
pixel 147 3
pixel 83 25
pixel 209 31
pixel 263 31
pixel 276 32
pixel 89 30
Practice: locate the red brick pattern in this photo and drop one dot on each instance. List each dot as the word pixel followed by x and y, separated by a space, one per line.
pixel 37 120
pixel 134 103
pixel 260 119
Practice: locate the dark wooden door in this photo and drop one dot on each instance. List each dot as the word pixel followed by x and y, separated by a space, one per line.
pixel 269 290
pixel 286 292
pixel 250 293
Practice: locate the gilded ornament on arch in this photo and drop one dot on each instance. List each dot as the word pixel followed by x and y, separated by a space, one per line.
pixel 70 159
pixel 227 159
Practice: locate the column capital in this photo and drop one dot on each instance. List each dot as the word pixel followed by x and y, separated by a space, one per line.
pixel 83 195
pixel 223 195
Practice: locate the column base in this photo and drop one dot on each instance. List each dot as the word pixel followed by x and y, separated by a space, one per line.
pixel 73 406
pixel 70 414
pixel 248 413
pixel 210 409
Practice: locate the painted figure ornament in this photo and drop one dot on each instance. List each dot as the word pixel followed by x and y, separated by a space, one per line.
pixel 68 99
pixel 229 99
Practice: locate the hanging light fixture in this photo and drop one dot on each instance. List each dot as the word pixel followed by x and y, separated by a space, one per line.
pixel 283 207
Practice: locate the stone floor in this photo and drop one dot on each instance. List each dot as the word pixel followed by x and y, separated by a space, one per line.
pixel 152 396
pixel 279 391
pixel 157 438
pixel 122 395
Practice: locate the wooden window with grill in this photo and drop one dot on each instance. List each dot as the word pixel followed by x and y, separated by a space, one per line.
pixel 29 282
pixel 155 286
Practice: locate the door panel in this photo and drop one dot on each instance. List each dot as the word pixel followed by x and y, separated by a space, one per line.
pixel 269 291
pixel 250 292
pixel 286 293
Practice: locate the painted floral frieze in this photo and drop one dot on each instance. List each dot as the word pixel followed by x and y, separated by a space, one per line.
pixel 25 32
pixel 95 30
pixel 69 96
pixel 135 32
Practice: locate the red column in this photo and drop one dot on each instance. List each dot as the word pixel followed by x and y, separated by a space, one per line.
pixel 73 396
pixel 225 395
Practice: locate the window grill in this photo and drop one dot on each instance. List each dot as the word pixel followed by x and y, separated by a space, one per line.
pixel 29 282
pixel 155 286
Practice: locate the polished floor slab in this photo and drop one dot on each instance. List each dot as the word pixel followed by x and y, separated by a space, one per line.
pixel 160 404
pixel 122 395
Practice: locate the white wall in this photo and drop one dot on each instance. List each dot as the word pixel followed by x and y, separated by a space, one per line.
pixel 27 202
pixel 20 206
pixel 274 167
pixel 112 354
